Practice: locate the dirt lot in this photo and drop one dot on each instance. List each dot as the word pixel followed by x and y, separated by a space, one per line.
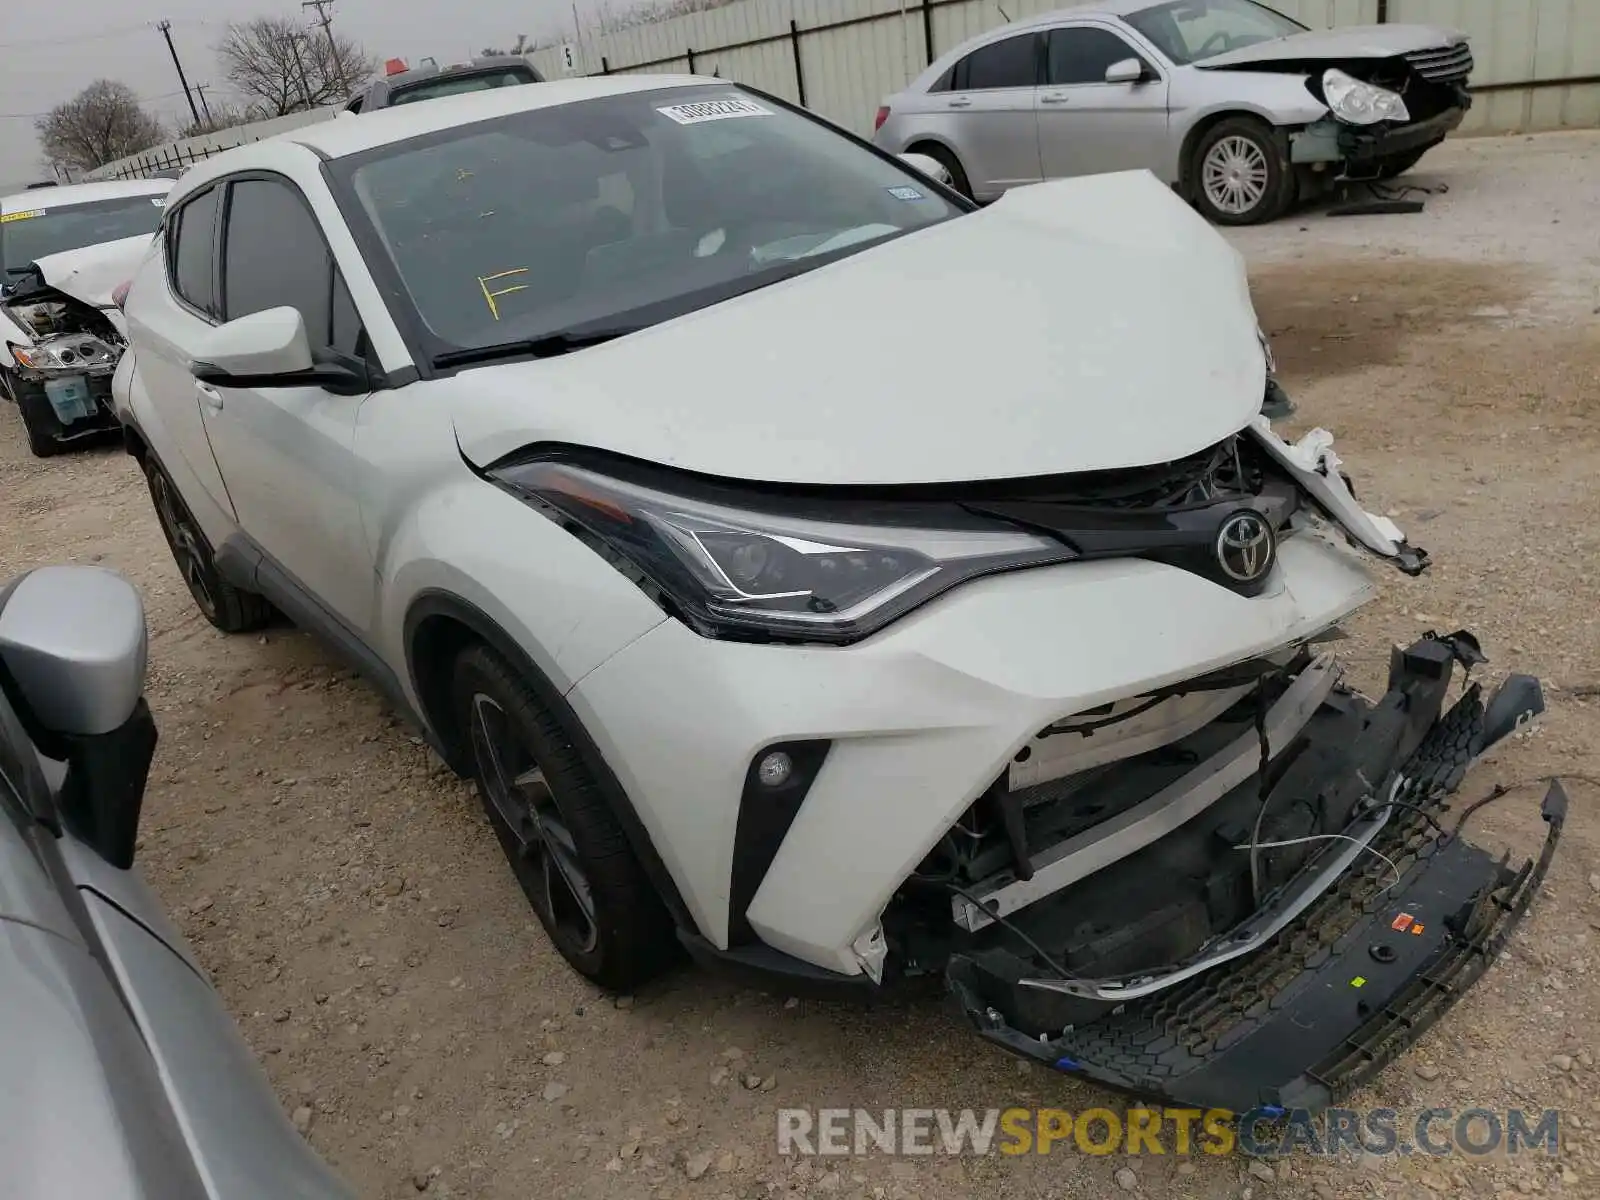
pixel 355 912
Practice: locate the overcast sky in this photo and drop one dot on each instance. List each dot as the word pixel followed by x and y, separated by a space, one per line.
pixel 48 52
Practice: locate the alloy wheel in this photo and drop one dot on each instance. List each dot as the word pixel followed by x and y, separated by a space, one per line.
pixel 521 797
pixel 187 548
pixel 1235 175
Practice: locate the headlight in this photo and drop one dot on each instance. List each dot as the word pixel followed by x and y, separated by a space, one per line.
pixel 768 569
pixel 71 353
pixel 1361 103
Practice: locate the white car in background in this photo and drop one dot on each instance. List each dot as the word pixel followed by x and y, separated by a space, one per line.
pixel 825 576
pixel 63 252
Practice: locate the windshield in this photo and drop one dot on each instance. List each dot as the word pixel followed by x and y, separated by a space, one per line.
pixel 34 233
pixel 1188 31
pixel 455 85
pixel 623 210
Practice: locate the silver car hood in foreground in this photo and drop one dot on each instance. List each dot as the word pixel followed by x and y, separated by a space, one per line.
pixel 1350 41
pixel 1080 325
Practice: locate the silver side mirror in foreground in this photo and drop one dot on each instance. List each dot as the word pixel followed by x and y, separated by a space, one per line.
pixel 931 167
pixel 73 650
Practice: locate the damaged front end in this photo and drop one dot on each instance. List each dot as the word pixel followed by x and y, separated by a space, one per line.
pixel 63 370
pixel 1235 891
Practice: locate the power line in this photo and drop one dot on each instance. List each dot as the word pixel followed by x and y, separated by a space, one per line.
pixel 29 116
pixel 103 35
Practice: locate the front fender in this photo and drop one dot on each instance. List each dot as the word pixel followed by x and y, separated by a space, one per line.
pixel 1198 97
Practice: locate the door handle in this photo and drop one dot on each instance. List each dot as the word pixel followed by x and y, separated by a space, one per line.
pixel 959 102
pixel 1053 98
pixel 209 396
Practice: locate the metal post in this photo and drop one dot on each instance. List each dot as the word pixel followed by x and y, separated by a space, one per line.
pixel 927 31
pixel 605 66
pixel 689 54
pixel 799 71
pixel 1383 12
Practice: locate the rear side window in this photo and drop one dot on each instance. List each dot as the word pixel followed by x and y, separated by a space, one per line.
pixel 274 255
pixel 192 251
pixel 1011 63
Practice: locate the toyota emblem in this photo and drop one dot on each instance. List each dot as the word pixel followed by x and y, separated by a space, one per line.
pixel 1246 547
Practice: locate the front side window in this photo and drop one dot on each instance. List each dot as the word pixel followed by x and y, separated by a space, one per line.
pixel 1188 31
pixel 31 234
pixel 1009 63
pixel 616 212
pixel 455 85
pixel 274 256
pixel 1083 54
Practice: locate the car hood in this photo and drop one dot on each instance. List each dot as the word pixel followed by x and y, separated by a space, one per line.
pixel 1072 326
pixel 1351 41
pixel 92 273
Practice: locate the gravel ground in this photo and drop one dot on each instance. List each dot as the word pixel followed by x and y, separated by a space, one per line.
pixel 354 910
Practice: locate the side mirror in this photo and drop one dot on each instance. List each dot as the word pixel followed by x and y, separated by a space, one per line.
pixel 1127 70
pixel 73 648
pixel 270 349
pixel 931 167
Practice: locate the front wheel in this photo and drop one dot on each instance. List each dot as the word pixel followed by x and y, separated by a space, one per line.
pixel 563 842
pixel 230 609
pixel 1238 174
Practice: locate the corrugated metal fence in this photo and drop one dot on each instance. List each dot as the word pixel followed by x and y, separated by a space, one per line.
pixel 1538 61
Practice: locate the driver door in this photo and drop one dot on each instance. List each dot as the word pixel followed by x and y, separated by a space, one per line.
pixel 287 454
pixel 1088 126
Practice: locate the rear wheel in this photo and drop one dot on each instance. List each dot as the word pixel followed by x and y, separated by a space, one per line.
pixel 230 609
pixel 947 160
pixel 563 842
pixel 38 419
pixel 1238 174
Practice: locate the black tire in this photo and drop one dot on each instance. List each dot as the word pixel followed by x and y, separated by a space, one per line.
pixel 1399 164
pixel 625 935
pixel 230 609
pixel 38 420
pixel 1255 144
pixel 947 160
pixel 8 386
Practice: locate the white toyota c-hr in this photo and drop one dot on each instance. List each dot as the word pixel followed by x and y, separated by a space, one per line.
pixel 820 574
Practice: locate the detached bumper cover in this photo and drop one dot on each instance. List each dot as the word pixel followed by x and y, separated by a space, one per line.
pixel 1334 996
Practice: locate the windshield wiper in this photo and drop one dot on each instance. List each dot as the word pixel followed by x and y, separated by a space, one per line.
pixel 547 345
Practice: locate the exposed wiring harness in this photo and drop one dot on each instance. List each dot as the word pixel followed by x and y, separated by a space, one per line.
pixel 1014 929
pixel 1325 837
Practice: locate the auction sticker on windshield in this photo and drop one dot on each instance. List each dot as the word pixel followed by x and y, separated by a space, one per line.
pixel 21 216
pixel 713 110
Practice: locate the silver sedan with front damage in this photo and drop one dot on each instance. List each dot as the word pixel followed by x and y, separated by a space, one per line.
pixel 1242 109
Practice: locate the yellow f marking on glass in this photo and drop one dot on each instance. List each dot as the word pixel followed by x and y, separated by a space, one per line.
pixel 490 297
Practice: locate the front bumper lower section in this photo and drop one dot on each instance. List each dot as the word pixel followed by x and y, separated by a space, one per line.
pixel 1338 992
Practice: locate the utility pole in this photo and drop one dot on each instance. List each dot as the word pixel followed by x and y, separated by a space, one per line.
pixel 166 31
pixel 201 89
pixel 325 19
pixel 305 88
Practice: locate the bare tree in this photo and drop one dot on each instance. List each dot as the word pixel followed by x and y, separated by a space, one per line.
pixel 523 46
pixel 279 68
pixel 100 124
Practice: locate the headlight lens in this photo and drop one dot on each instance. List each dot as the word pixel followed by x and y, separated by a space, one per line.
pixel 71 353
pixel 1361 103
pixel 759 568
